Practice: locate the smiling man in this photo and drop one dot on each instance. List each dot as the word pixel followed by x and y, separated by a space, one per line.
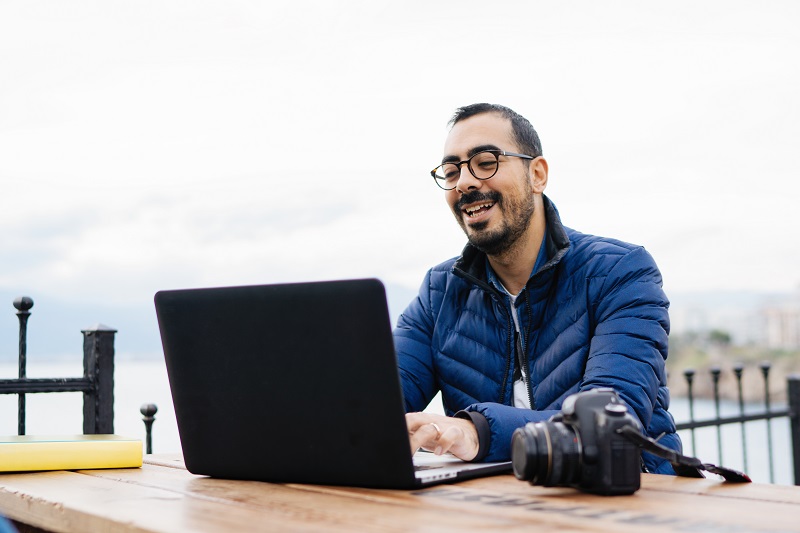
pixel 531 311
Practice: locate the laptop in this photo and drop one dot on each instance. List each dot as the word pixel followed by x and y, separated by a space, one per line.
pixel 294 383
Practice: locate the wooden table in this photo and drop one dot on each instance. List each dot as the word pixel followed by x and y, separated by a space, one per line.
pixel 163 497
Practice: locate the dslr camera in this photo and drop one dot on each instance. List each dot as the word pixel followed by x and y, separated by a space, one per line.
pixel 581 447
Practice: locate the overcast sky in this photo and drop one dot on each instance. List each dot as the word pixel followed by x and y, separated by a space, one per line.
pixel 147 145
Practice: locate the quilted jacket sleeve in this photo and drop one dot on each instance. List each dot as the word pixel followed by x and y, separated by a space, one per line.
pixel 629 345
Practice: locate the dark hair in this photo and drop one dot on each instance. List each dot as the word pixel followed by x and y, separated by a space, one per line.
pixel 524 133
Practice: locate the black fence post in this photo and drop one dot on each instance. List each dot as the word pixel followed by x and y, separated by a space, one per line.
pixel 765 367
pixel 793 399
pixel 23 305
pixel 689 375
pixel 148 411
pixel 98 368
pixel 715 373
pixel 738 370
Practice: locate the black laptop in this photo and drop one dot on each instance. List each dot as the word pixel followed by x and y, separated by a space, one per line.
pixel 293 383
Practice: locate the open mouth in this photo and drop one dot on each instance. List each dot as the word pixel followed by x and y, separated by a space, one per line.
pixel 477 209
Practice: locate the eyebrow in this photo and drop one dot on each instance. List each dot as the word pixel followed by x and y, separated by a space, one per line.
pixel 470 153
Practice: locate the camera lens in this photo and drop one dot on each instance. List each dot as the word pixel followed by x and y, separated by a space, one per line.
pixel 546 453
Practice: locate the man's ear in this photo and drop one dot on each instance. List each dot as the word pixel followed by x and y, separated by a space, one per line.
pixel 538 171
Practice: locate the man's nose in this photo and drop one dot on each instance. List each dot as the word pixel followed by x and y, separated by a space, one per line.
pixel 466 181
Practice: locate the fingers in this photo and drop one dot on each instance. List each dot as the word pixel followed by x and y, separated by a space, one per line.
pixel 441 434
pixel 424 436
pixel 454 440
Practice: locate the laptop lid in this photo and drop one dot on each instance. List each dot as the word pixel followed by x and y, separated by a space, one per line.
pixel 288 383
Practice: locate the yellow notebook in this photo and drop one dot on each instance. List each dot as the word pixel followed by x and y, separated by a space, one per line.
pixel 27 453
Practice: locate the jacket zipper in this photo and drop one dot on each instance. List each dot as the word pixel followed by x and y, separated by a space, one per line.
pixel 524 354
pixel 522 361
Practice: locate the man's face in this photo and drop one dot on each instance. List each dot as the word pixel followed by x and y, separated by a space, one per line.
pixel 493 213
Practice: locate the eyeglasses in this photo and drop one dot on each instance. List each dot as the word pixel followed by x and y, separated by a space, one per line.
pixel 482 165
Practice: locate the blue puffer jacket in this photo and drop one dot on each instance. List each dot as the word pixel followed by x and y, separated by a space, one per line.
pixel 594 315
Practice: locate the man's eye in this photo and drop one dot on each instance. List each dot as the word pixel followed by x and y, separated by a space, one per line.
pixel 450 172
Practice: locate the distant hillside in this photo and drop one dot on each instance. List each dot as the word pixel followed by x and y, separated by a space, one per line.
pixel 736 312
pixel 722 329
pixel 54 327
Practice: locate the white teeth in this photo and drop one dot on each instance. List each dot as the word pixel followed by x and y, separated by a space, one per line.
pixel 472 209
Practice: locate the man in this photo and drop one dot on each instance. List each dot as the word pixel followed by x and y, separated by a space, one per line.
pixel 531 312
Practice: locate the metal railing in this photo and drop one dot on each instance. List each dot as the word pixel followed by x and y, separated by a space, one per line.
pixel 767 414
pixel 97 383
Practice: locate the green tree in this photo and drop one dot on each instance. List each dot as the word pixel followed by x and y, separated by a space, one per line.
pixel 720 338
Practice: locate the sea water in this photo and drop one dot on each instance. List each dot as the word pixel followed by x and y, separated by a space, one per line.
pixel 138 382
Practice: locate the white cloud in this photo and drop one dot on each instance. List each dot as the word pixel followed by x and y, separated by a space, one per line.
pixel 149 145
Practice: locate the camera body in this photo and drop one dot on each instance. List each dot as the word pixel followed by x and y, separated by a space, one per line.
pixel 580 446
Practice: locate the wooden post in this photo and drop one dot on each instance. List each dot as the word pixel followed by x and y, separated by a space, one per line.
pixel 98 367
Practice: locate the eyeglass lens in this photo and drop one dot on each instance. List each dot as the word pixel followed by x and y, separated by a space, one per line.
pixel 482 165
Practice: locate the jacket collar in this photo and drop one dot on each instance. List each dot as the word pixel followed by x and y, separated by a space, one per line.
pixel 472 263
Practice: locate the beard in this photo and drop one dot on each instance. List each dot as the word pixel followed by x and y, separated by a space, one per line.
pixel 518 213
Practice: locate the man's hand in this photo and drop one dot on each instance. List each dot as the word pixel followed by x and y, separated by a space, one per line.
pixel 442 434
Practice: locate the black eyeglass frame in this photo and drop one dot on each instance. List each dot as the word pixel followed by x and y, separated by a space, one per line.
pixel 468 161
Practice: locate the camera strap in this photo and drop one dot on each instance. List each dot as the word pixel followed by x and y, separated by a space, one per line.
pixel 683 465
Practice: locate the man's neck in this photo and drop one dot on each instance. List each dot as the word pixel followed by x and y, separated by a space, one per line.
pixel 514 266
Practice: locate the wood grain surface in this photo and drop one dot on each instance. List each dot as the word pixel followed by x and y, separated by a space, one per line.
pixel 163 497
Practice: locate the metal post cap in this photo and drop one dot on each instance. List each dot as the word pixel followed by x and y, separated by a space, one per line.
pixel 23 303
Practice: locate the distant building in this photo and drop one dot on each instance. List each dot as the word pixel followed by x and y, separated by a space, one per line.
pixel 782 324
pixel 771 320
pixel 703 312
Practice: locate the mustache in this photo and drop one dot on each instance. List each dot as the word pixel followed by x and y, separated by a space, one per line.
pixel 477 196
